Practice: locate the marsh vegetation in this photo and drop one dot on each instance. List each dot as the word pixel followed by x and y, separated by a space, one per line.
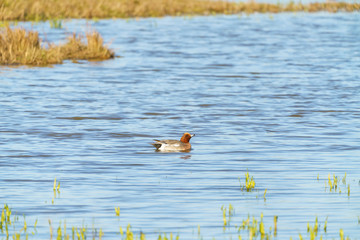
pixel 22 47
pixel 31 10
pixel 12 226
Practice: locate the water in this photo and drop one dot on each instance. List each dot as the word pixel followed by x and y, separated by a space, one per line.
pixel 275 95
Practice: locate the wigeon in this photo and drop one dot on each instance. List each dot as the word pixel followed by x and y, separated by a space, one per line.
pixel 174 145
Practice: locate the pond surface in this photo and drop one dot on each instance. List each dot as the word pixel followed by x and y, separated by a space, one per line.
pixel 275 95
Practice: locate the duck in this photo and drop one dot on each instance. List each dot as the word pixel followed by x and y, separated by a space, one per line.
pixel 174 145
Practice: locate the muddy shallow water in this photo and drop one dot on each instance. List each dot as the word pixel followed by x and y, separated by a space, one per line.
pixel 274 95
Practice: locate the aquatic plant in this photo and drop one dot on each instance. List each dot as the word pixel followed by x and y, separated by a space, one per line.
pixel 18 46
pixel 341 233
pixel 231 213
pixel 75 48
pixel 117 211
pixel 256 228
pixel 55 23
pixel 35 10
pixel 265 194
pixel 344 179
pixel 313 230
pixel 325 225
pixel 163 237
pixel 275 225
pixel 79 233
pixel 56 186
pixel 9 222
pixel 56 190
pixel 334 184
pixel 249 183
pixel 21 47
pixel 252 227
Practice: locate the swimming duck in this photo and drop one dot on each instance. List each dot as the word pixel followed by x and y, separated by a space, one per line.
pixel 174 145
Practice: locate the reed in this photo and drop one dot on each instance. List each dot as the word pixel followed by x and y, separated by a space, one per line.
pixel 21 47
pixel 35 10
pixel 75 48
pixel 18 46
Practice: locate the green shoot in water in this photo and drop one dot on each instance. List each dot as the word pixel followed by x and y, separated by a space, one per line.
pixel 249 183
pixel 117 211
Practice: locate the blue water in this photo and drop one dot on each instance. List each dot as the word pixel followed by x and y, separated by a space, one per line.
pixel 275 95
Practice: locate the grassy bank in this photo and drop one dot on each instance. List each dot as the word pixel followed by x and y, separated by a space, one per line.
pixel 36 10
pixel 21 47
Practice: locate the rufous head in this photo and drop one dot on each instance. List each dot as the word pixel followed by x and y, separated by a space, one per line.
pixel 186 137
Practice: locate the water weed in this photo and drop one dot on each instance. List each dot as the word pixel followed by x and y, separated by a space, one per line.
pixel 249 228
pixel 325 225
pixel 56 190
pixel 344 179
pixel 255 228
pixel 249 183
pixel 55 23
pixel 226 221
pixel 314 231
pixel 21 47
pixel 333 184
pixel 275 225
pixel 117 211
pixel 35 10
pixel 265 194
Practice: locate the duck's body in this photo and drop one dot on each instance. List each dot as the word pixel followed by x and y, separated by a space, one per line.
pixel 174 145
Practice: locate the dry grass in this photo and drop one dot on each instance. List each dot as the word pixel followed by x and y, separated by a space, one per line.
pixel 21 47
pixel 75 48
pixel 35 10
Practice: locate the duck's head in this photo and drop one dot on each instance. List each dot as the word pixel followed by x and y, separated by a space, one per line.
pixel 186 137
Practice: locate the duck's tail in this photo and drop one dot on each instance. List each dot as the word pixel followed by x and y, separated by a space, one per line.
pixel 157 144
